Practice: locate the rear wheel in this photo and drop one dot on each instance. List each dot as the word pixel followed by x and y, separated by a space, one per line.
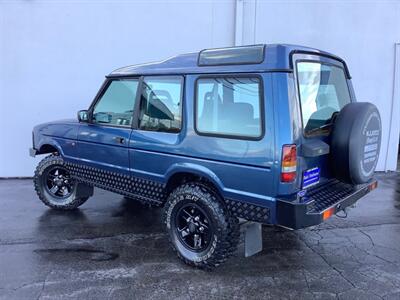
pixel 55 186
pixel 201 230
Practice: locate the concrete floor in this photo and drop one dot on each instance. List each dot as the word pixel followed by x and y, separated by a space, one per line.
pixel 115 248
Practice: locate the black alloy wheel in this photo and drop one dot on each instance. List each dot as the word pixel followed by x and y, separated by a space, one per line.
pixel 193 227
pixel 59 182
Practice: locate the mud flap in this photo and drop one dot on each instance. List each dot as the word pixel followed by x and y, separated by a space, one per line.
pixel 252 237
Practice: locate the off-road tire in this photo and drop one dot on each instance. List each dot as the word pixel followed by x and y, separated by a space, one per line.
pixel 225 236
pixel 72 202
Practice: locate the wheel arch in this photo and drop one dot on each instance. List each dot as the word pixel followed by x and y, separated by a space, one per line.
pixel 49 146
pixel 185 172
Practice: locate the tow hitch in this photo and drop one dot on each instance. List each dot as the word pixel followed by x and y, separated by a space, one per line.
pixel 344 212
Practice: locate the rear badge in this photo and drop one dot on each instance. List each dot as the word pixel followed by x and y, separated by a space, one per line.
pixel 302 193
pixel 310 177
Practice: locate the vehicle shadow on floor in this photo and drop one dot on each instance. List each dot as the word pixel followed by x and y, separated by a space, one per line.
pixel 133 233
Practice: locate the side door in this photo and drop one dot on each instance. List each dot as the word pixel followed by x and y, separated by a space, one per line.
pixel 103 141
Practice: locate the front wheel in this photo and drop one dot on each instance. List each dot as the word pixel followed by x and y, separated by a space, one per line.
pixel 201 230
pixel 55 186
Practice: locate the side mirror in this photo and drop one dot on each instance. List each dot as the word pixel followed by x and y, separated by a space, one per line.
pixel 83 116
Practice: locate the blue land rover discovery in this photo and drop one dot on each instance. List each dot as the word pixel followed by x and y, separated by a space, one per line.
pixel 270 134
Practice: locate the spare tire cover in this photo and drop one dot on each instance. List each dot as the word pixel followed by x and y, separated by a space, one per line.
pixel 356 140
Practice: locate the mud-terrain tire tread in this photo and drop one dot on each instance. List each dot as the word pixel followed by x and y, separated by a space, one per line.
pixel 50 160
pixel 229 232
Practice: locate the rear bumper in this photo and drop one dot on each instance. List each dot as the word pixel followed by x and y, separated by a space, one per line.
pixel 320 203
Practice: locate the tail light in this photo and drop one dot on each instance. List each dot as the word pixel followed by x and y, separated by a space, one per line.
pixel 289 163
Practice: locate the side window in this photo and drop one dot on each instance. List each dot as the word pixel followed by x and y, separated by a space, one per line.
pixel 116 105
pixel 229 106
pixel 161 102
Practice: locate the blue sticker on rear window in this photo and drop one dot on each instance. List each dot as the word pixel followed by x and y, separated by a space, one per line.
pixel 310 177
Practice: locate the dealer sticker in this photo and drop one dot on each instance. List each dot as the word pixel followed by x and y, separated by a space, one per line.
pixel 310 177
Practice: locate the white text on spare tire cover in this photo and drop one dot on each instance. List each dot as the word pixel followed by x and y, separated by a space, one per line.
pixel 371 132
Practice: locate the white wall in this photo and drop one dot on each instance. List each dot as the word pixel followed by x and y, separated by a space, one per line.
pixel 364 33
pixel 54 55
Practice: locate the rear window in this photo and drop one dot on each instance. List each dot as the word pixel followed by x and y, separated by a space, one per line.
pixel 229 106
pixel 323 91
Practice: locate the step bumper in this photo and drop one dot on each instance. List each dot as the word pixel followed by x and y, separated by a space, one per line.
pixel 320 203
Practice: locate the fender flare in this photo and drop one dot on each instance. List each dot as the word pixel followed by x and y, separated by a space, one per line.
pixel 195 169
pixel 51 142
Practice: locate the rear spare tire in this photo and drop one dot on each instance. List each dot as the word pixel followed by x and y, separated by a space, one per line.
pixel 356 140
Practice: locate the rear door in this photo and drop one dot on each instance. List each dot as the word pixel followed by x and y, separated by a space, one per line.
pixel 103 142
pixel 323 89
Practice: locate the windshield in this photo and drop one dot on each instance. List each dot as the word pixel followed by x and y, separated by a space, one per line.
pixel 323 91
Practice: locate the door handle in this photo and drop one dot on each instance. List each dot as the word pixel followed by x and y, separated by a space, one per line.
pixel 119 139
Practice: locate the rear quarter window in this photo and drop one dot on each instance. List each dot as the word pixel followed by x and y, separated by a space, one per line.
pixel 229 106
